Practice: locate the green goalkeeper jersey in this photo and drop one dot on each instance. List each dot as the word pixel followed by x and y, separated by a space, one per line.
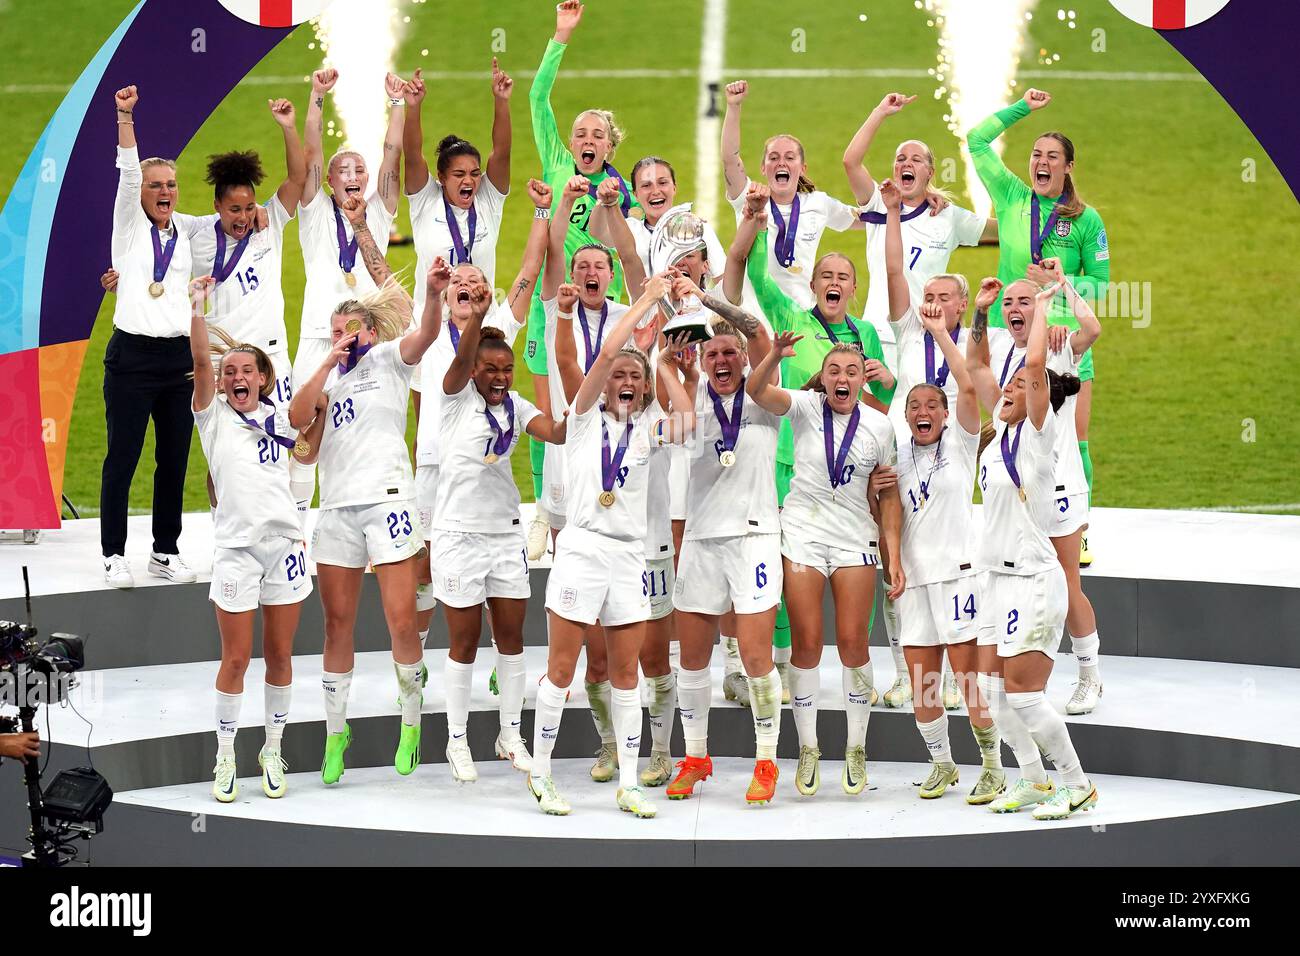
pixel 558 166
pixel 1080 243
pixel 819 336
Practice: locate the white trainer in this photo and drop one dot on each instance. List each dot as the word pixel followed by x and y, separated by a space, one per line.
pixel 539 535
pixel 1067 801
pixel 899 693
pixel 516 751
pixel 1023 794
pixel 633 800
pixel 224 786
pixel 117 573
pixel 171 567
pixel 273 767
pixel 461 761
pixel 952 698
pixel 1087 694
pixel 548 798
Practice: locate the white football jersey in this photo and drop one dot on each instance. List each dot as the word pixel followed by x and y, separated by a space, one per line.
pixel 554 493
pixel 363 455
pixel 726 502
pixel 936 485
pixel 432 234
pixel 132 254
pixel 814 511
pixel 474 495
pixel 928 242
pixel 326 286
pixel 1015 537
pixel 625 519
pixel 250 472
pixel 1005 358
pixel 433 369
pixel 249 305
pixel 914 361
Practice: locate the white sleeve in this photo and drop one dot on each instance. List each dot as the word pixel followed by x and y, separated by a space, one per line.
pixel 908 324
pixel 525 410
pixel 491 197
pixel 804 404
pixel 840 216
pixel 194 225
pixel 375 207
pixel 206 420
pixel 423 199
pixel 312 215
pixel 738 204
pixel 503 317
pixel 967 227
pixel 127 211
pixel 717 254
pixel 883 432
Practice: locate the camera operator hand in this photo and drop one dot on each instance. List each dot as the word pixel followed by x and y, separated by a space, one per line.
pixel 20 746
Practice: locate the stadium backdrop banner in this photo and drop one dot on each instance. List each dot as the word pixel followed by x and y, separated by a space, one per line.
pixel 55 224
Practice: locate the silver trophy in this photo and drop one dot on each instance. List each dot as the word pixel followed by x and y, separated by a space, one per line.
pixel 679 233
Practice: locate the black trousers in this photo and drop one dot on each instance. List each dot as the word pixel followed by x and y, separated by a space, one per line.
pixel 145 377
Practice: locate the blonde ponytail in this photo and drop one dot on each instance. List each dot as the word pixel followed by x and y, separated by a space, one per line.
pixel 386 311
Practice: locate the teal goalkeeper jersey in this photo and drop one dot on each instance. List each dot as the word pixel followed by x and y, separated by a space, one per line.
pixel 1079 243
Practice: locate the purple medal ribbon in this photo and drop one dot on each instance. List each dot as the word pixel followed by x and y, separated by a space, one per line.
pixel 269 427
pixel 730 426
pixel 626 203
pixel 1036 238
pixel 592 351
pixel 455 335
pixel 353 357
pixel 785 237
pixel 162 258
pixel 347 250
pixel 1006 366
pixel 939 377
pixel 501 445
pixel 835 462
pixel 830 334
pixel 221 268
pixel 880 218
pixel 1009 452
pixel 461 251
pixel 609 465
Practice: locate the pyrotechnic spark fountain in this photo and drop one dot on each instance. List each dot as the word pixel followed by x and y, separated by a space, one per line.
pixel 980 42
pixel 359 39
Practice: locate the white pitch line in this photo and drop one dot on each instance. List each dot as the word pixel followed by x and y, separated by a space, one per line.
pixel 686 74
pixel 708 155
pixel 1252 509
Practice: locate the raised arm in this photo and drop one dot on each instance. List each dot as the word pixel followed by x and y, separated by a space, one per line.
pixel 417 169
pixel 968 410
pixel 307 398
pixel 900 296
pixel 520 296
pixel 733 167
pixel 753 223
pixel 307 448
pixel 760 384
pixel 555 264
pixel 498 164
pixel 462 366
pixel 855 154
pixel 608 198
pixel 566 346
pixel 551 149
pixel 1037 394
pixel 126 205
pixel 322 81
pixel 390 167
pixel 376 264
pixel 1001 182
pixel 1089 330
pixel 414 344
pixel 205 386
pixel 983 383
pixel 598 374
pixel 125 100
pixel 680 425
pixel 295 159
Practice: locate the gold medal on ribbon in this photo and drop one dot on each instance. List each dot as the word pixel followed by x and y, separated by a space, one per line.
pixel 1021 489
pixel 606 499
pixel 156 289
pixel 795 268
pixel 302 447
pixel 352 326
pixel 727 458
pixel 350 279
pixel 491 458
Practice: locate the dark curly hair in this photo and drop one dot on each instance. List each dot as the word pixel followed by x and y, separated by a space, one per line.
pixel 228 170
pixel 452 146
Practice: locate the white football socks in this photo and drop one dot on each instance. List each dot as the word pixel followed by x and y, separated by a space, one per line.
pixel 511 679
pixel 694 695
pixel 781 655
pixel 765 703
pixel 1012 728
pixel 890 614
pixel 662 708
pixel 600 698
pixel 337 687
pixel 275 703
pixel 804 685
pixel 408 692
pixel 935 735
pixel 626 711
pixel 227 722
pixel 1087 651
pixel 459 679
pixel 856 683
pixel 1048 729
pixel 730 656
pixel 549 711
pixel 990 745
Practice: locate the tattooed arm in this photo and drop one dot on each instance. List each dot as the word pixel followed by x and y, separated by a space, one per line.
pixel 977 346
pixel 390 166
pixel 322 81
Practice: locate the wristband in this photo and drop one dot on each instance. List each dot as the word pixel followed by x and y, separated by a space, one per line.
pixel 396 102
pixel 540 212
pixel 609 205
pixel 567 317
